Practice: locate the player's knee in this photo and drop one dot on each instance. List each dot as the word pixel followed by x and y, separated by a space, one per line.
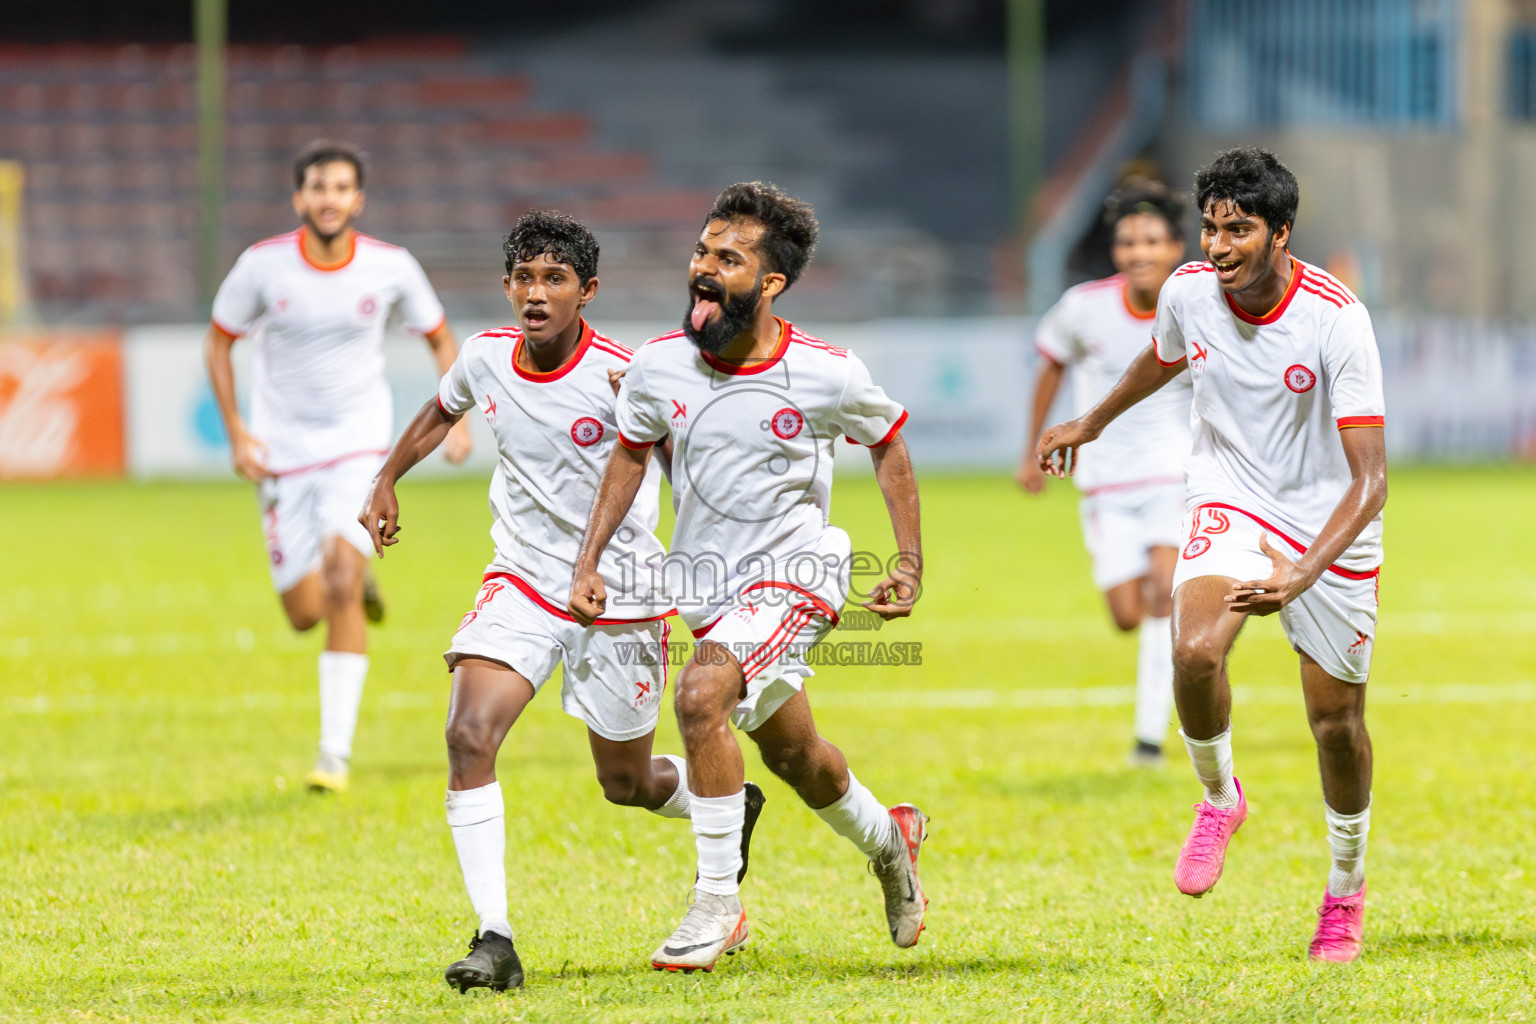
pixel 303 620
pixel 700 700
pixel 621 787
pixel 1125 621
pixel 470 738
pixel 1197 657
pixel 342 584
pixel 1338 730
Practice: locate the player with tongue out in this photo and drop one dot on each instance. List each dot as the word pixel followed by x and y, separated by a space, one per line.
pixel 754 406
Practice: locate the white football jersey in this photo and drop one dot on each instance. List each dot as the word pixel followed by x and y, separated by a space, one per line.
pixel 1271 395
pixel 318 393
pixel 554 432
pixel 1093 329
pixel 752 456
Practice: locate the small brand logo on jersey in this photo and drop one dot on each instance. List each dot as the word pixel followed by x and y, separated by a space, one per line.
pixel 368 306
pixel 1299 379
pixel 787 423
pixel 1197 358
pixel 642 692
pixel 586 431
pixel 1361 643
pixel 679 409
pixel 1197 547
pixel 490 407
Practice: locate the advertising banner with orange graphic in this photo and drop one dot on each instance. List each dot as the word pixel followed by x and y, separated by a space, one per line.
pixel 61 404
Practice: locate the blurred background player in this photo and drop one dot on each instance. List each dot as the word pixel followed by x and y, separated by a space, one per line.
pixel 1132 479
pixel 547 387
pixel 1288 458
pixel 754 406
pixel 315 302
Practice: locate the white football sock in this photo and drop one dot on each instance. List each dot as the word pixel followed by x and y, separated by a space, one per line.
pixel 342 674
pixel 1154 680
pixel 861 819
pixel 476 817
pixel 677 804
pixel 717 822
pixel 1346 837
pixel 1212 759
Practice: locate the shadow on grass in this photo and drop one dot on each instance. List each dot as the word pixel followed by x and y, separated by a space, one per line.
pixel 822 970
pixel 1418 944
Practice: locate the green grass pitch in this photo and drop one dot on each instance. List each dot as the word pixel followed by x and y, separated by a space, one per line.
pixel 160 860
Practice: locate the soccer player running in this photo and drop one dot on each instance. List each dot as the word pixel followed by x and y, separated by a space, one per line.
pixel 315 302
pixel 1132 479
pixel 1287 481
pixel 547 386
pixel 754 406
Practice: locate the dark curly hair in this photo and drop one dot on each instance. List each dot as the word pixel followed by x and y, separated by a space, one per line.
pixel 789 224
pixel 323 151
pixel 1252 179
pixel 565 239
pixel 1147 197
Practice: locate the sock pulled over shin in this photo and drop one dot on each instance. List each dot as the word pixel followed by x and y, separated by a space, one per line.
pixel 1212 759
pixel 717 824
pixel 1154 679
pixel 342 675
pixel 477 818
pixel 678 803
pixel 861 819
pixel 1346 838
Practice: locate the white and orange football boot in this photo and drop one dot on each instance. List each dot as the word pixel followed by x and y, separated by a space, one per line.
pixel 905 904
pixel 713 927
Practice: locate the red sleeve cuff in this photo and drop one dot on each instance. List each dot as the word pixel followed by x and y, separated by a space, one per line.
pixel 225 330
pixel 634 446
pixel 1159 358
pixel 1361 421
pixel 1049 356
pixel 441 323
pixel 890 435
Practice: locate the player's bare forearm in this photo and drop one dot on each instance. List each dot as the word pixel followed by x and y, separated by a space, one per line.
pixel 221 376
pixel 894 596
pixel 1366 452
pixel 1029 475
pixel 1144 376
pixel 380 514
pixel 1363 500
pixel 621 482
pixel 445 348
pixel 663 451
pixel 419 439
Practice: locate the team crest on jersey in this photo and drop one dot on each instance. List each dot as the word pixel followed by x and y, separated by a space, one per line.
pixel 1197 547
pixel 787 423
pixel 367 307
pixel 1299 379
pixel 586 431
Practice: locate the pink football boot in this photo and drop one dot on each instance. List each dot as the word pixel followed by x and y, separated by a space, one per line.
pixel 1205 849
pixel 1340 922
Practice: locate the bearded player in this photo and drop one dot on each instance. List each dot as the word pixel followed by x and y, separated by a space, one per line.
pixel 1132 479
pixel 754 406
pixel 315 302
pixel 547 387
pixel 1287 481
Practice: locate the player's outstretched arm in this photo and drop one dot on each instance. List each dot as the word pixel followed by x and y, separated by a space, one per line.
pixel 1057 451
pixel 894 596
pixel 1365 449
pixel 381 512
pixel 1029 475
pixel 247 453
pixel 621 482
pixel 445 349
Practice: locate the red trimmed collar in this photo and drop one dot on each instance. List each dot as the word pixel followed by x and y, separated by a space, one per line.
pixel 1125 296
pixel 1280 307
pixel 747 369
pixel 540 377
pixel 325 268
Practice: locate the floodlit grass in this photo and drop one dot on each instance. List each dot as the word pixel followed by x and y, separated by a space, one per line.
pixel 160 860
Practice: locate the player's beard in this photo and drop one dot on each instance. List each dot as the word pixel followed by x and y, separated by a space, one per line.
pixel 326 239
pixel 736 315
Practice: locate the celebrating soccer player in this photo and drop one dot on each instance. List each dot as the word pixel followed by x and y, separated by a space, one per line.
pixel 1132 478
pixel 547 386
pixel 1287 481
pixel 754 406
pixel 315 302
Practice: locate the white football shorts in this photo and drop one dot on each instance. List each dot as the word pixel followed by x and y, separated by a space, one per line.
pixel 1120 525
pixel 300 510
pixel 769 627
pixel 614 674
pixel 1334 621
